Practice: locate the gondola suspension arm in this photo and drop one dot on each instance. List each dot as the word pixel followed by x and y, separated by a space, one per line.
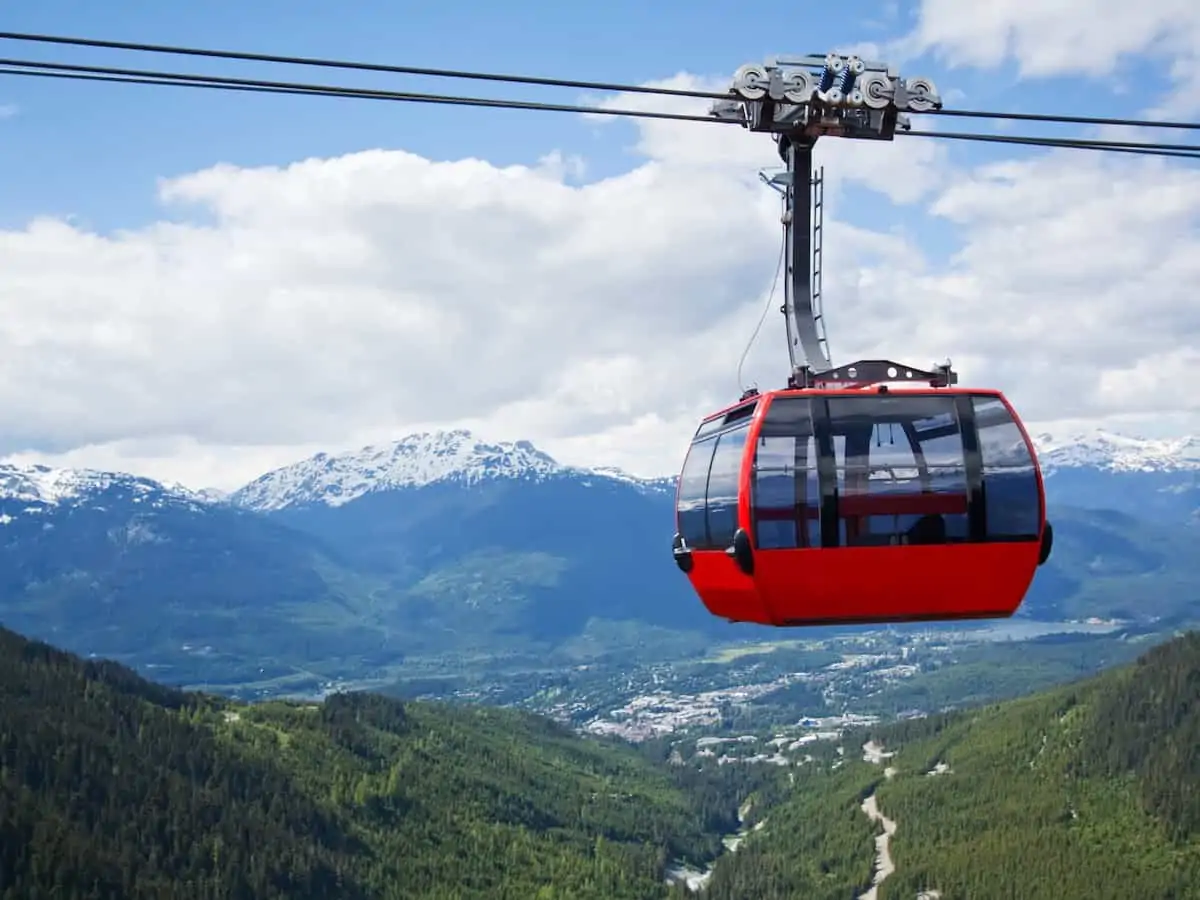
pixel 798 100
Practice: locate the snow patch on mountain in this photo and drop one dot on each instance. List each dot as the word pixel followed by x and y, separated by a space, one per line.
pixel 415 461
pixel 664 482
pixel 46 486
pixel 209 494
pixel 1111 452
pixel 460 456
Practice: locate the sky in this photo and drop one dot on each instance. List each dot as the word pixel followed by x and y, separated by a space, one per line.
pixel 200 286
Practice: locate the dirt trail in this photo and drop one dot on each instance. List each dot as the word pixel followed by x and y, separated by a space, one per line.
pixel 883 853
pixel 874 753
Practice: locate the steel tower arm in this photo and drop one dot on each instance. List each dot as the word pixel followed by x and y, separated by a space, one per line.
pixel 798 100
pixel 802 223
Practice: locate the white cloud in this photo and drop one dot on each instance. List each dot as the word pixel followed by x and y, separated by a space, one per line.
pixel 1093 38
pixel 8 110
pixel 336 302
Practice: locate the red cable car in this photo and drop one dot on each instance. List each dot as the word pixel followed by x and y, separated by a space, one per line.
pixel 869 493
pixel 838 505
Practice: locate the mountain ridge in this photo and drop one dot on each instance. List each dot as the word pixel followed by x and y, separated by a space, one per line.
pixel 488 550
pixel 1111 451
pixel 460 455
pixel 50 486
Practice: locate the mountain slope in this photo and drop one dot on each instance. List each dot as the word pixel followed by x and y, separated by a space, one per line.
pixel 1158 480
pixel 452 549
pixel 123 566
pixel 462 526
pixel 1086 791
pixel 133 790
pixel 491 540
pixel 1112 565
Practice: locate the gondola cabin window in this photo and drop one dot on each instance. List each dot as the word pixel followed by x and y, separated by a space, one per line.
pixel 901 476
pixel 785 498
pixel 721 502
pixel 707 501
pixel 1010 482
pixel 693 487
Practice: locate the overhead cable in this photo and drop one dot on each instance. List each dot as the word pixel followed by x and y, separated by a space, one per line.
pixel 1059 119
pixel 146 76
pixel 362 66
pixel 1186 151
pixel 608 87
pixel 74 72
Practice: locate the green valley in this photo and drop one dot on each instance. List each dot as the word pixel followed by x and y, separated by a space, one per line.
pixel 112 786
pixel 116 787
pixel 1086 791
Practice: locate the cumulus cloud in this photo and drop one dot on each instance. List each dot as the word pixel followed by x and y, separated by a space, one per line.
pixel 335 302
pixel 1094 38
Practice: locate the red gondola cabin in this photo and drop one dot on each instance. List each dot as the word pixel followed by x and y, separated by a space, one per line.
pixel 818 507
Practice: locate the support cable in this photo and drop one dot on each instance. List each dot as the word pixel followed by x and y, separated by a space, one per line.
pixel 74 72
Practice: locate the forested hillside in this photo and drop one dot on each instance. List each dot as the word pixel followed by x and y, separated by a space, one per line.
pixel 113 787
pixel 1088 791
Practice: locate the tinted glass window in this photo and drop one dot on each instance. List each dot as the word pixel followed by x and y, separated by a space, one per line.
pixel 944 459
pixel 723 486
pixel 1009 479
pixel 786 497
pixel 732 417
pixel 901 475
pixel 693 483
pixel 788 417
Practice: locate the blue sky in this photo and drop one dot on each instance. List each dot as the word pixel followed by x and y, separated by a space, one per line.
pixel 95 151
pixel 113 345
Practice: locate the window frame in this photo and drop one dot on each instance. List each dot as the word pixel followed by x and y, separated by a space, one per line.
pixel 805 416
pixel 989 471
pixel 836 416
pixel 781 422
pixel 721 540
pixel 707 446
pixel 739 420
pixel 967 465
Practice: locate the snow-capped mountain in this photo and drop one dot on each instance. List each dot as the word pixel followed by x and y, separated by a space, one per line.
pixel 492 538
pixel 1156 480
pixel 445 542
pixel 122 566
pixel 662 482
pixel 1108 451
pixel 42 486
pixel 418 460
pixel 461 457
